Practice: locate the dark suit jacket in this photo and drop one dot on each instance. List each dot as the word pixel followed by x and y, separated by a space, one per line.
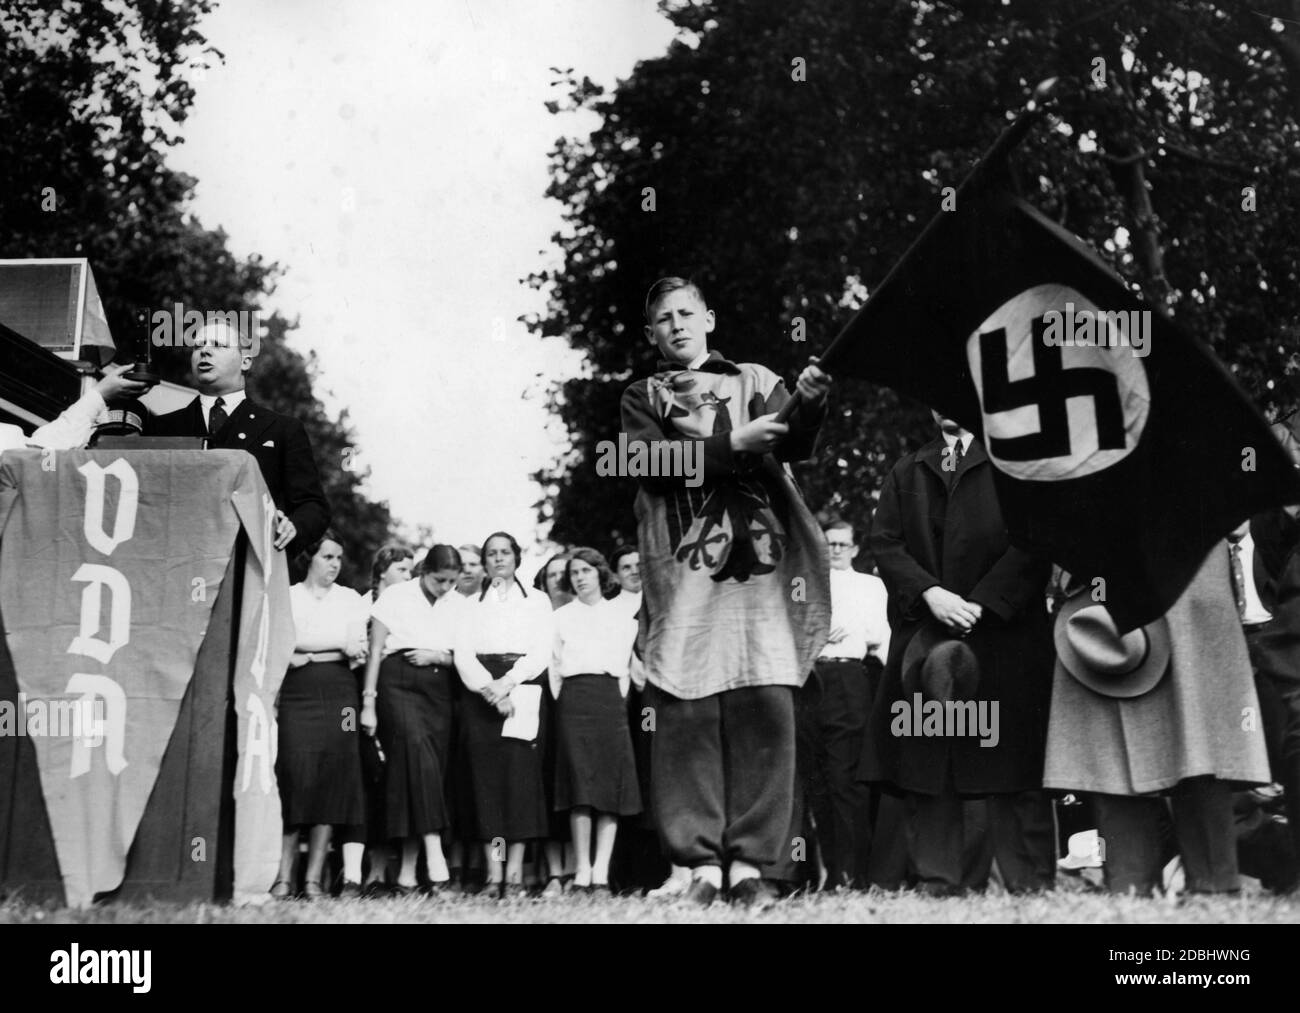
pixel 283 452
pixel 924 534
pixel 1275 650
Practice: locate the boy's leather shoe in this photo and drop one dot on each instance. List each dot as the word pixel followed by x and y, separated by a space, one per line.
pixel 700 892
pixel 755 893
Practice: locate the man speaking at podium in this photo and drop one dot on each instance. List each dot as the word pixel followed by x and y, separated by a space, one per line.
pixel 231 421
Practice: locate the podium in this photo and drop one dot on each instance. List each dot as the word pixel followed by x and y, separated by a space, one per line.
pixel 147 629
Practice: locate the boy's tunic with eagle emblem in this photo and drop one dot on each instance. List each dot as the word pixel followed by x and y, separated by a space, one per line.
pixel 735 571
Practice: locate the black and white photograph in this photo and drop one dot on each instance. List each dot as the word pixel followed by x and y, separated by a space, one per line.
pixel 622 462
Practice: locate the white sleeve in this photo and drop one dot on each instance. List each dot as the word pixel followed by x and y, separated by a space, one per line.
pixel 541 629
pixel 464 653
pixel 73 428
pixel 557 647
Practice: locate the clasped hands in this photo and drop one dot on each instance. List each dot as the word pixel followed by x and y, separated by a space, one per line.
pixel 497 693
pixel 954 611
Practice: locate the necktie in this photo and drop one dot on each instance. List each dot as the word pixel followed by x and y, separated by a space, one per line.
pixel 957 454
pixel 1238 578
pixel 217 417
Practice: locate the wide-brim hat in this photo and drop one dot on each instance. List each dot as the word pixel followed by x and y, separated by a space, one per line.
pixel 1090 648
pixel 939 666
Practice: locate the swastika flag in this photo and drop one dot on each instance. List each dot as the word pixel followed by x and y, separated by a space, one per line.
pixel 1123 448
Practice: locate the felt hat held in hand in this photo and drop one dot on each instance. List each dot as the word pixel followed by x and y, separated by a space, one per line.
pixel 1090 648
pixel 939 666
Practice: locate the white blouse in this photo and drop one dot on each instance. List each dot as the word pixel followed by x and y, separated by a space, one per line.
pixel 590 639
pixel 332 623
pixel 503 621
pixel 628 601
pixel 413 622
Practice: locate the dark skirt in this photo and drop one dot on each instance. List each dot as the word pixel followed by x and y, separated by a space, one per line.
pixel 464 826
pixel 414 713
pixel 557 821
pixel 504 775
pixel 318 763
pixel 372 786
pixel 594 762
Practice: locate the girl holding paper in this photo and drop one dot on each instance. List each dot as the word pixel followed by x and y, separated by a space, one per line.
pixel 503 645
pixel 595 769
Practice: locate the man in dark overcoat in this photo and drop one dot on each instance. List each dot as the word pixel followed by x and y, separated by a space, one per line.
pixel 943 553
pixel 1274 645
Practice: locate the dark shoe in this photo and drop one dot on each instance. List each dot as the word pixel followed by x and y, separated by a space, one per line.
pixel 350 891
pixel 281 889
pixel 701 892
pixel 554 889
pixel 376 888
pixel 756 894
pixel 398 890
pixel 933 888
pixel 436 889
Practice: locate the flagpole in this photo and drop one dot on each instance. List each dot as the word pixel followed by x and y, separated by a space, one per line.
pixel 1007 141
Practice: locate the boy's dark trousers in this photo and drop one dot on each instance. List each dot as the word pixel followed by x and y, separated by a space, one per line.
pixel 723 775
pixel 833 709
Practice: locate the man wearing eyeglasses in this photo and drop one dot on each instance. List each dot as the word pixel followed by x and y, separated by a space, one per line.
pixel 838 703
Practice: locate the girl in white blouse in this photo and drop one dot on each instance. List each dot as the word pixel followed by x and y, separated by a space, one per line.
pixel 318 762
pixel 408 701
pixel 595 769
pixel 504 644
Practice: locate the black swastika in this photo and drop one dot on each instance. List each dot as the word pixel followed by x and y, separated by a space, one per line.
pixel 1048 389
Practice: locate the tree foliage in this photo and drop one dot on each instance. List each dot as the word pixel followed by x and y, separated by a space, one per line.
pixel 92 96
pixel 791 198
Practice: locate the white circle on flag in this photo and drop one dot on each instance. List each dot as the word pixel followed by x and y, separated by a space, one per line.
pixel 1059 421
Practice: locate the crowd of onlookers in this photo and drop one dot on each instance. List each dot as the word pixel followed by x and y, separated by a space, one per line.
pixel 454 728
pixel 405 738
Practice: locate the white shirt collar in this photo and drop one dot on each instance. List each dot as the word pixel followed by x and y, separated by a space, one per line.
pixel 699 360
pixel 230 401
pixel 965 441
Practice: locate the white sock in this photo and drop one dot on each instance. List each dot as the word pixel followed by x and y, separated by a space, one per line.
pixel 711 874
pixel 352 855
pixel 741 871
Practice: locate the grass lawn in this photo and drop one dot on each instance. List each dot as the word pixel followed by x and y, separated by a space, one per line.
pixel 1062 905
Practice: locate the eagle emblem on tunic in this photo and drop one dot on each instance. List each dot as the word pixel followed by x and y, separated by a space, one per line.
pixel 730 528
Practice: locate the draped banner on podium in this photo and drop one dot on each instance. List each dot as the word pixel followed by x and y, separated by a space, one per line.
pixel 112 565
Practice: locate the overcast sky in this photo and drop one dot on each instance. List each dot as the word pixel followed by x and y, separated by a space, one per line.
pixel 392 156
